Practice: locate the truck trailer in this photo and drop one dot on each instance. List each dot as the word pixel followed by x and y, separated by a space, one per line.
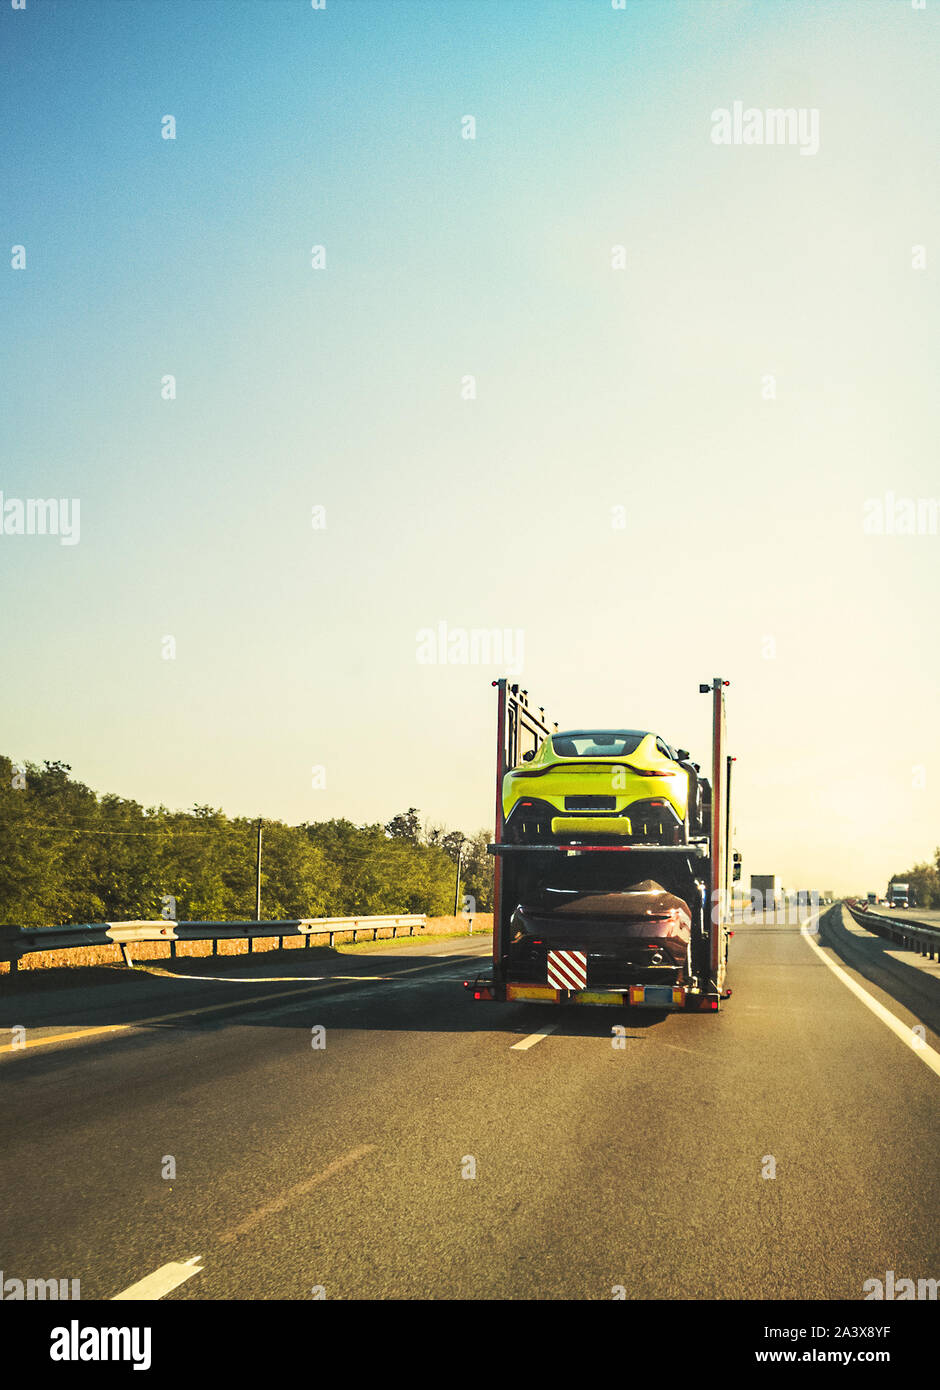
pixel 771 893
pixel 583 918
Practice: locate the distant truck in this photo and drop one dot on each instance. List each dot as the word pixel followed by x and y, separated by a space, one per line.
pixel 899 895
pixel 768 885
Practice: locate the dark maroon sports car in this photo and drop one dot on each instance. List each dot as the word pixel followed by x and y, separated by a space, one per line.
pixel 641 934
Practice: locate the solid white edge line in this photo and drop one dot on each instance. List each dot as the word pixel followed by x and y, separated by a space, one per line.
pixel 534 1038
pixel 160 1282
pixel 920 1047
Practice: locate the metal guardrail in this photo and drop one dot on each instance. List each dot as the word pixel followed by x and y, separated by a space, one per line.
pixel 16 942
pixel 913 936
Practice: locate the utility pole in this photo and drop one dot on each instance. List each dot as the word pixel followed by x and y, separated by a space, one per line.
pixel 258 877
pixel 457 883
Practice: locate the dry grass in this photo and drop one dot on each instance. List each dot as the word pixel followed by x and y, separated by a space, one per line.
pixel 66 962
pixel 437 926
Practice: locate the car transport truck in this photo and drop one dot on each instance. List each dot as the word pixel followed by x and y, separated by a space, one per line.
pixel 591 908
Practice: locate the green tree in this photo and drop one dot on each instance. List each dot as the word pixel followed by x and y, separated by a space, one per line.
pixel 478 871
pixel 924 881
pixel 70 855
pixel 405 826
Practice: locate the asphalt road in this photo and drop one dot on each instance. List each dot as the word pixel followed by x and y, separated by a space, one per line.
pixel 346 1168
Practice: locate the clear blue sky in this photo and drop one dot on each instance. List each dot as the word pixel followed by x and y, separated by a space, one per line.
pixel 597 388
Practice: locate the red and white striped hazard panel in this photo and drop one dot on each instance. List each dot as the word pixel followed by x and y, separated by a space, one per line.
pixel 567 969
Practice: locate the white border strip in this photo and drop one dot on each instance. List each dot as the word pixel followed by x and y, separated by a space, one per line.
pixel 919 1046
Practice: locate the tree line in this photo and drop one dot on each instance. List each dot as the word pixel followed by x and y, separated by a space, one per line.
pixel 924 881
pixel 70 855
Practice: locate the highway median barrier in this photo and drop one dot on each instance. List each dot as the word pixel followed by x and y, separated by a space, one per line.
pixel 913 936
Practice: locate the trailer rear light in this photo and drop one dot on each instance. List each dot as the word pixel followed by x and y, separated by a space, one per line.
pixel 480 991
pixel 483 993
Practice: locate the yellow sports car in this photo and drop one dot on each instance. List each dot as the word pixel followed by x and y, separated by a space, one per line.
pixel 624 785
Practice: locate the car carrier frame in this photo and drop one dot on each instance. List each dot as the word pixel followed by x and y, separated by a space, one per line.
pixel 700 872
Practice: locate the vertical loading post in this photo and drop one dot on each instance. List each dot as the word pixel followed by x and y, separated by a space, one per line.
pixel 516 726
pixel 719 848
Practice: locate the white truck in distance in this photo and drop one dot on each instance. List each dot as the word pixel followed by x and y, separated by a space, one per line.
pixel 771 893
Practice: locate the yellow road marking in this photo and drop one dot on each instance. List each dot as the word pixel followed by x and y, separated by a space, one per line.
pixel 252 979
pixel 292 1193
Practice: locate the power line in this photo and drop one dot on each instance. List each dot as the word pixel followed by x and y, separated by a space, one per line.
pixel 341 851
pixel 88 830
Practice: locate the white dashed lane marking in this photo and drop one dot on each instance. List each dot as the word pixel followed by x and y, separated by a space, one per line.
pixel 534 1038
pixel 162 1281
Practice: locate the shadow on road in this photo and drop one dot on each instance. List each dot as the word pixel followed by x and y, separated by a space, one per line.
pixel 871 956
pixel 405 992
